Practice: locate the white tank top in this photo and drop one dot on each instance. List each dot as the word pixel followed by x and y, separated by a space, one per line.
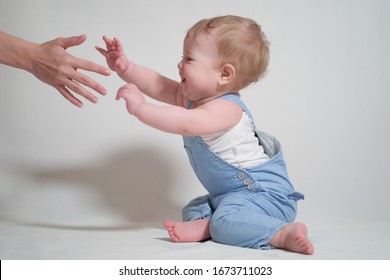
pixel 238 145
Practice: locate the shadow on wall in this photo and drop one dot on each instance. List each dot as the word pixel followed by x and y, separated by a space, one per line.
pixel 136 183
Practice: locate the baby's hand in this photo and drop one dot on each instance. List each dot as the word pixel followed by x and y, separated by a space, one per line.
pixel 133 96
pixel 116 58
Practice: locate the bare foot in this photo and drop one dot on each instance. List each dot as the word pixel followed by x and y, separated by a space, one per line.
pixel 293 237
pixel 191 231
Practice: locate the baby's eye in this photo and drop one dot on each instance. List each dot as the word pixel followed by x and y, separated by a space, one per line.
pixel 187 59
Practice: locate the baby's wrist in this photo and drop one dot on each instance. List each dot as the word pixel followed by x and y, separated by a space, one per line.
pixel 137 111
pixel 123 73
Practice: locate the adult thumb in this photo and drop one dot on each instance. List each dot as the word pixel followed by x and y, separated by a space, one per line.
pixel 71 41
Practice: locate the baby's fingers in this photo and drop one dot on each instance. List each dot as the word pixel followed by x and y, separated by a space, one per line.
pixel 118 44
pixel 124 90
pixel 110 44
pixel 101 50
pixel 120 94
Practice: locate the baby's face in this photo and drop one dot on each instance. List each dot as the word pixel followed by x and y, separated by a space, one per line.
pixel 199 69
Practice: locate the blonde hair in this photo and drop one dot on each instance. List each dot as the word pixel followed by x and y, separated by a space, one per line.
pixel 240 42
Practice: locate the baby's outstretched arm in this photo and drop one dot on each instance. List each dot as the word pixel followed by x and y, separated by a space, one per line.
pixel 208 118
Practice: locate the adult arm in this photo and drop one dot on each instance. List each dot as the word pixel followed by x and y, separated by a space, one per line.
pixel 51 64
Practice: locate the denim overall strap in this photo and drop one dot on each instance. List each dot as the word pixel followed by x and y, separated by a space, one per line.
pixel 237 100
pixel 270 144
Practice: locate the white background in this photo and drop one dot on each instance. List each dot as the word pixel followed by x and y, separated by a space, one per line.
pixel 325 97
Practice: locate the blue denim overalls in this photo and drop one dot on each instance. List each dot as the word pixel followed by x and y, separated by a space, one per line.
pixel 247 206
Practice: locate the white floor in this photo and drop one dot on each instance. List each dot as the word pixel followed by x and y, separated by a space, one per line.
pixel 150 241
pixel 44 217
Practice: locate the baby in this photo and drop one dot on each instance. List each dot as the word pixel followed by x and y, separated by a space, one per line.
pixel 250 201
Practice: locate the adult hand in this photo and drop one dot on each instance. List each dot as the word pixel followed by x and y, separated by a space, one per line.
pixel 51 64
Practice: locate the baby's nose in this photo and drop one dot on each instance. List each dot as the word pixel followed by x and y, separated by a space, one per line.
pixel 180 65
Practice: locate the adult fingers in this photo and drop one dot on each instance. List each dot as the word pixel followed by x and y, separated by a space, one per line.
pixel 85 80
pixel 72 85
pixel 87 65
pixel 66 93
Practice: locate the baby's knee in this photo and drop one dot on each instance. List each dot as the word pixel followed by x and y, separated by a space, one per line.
pixel 224 231
pixel 216 230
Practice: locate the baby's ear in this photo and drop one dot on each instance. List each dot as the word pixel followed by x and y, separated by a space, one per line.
pixel 227 74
